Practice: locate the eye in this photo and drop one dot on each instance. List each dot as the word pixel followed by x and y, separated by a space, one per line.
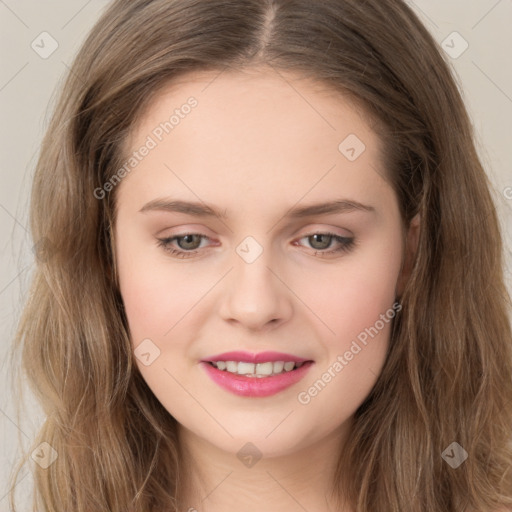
pixel 187 244
pixel 322 241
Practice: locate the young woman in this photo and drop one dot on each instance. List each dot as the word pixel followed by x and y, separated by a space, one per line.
pixel 270 272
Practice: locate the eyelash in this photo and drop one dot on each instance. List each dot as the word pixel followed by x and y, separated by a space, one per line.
pixel 347 244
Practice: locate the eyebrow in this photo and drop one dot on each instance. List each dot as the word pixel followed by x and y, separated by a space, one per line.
pixel 203 210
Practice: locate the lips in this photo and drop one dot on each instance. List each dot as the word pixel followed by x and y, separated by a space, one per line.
pixel 258 384
pixel 261 357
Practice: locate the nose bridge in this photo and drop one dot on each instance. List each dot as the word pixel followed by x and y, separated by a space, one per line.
pixel 254 295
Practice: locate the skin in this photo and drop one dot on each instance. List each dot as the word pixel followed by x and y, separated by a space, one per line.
pixel 258 144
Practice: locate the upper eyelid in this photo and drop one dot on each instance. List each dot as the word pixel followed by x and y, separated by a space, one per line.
pixel 313 231
pixel 309 233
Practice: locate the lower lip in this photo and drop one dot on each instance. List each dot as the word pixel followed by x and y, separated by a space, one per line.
pixel 255 386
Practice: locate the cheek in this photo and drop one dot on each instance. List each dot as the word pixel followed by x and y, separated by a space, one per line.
pixel 350 295
pixel 155 305
pixel 360 310
pixel 154 297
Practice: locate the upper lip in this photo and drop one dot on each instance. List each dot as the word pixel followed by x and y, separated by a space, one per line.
pixel 261 357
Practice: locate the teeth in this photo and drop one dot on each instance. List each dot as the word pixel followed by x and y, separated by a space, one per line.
pixel 232 366
pixel 278 366
pixel 265 368
pixel 257 370
pixel 244 368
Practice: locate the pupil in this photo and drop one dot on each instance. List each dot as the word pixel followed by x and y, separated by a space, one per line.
pixel 187 242
pixel 318 238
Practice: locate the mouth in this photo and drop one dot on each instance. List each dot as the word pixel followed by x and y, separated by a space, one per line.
pixel 256 379
pixel 257 370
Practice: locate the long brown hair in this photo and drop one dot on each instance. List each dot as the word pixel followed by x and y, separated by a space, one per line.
pixel 447 377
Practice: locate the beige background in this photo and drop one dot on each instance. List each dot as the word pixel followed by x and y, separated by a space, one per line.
pixel 27 83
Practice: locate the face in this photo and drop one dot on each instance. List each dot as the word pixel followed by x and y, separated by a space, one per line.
pixel 257 221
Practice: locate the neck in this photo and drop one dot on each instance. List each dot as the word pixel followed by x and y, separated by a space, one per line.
pixel 219 481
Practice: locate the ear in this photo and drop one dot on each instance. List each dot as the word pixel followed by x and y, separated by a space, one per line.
pixel 411 247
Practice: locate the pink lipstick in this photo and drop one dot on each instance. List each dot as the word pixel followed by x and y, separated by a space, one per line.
pixel 255 375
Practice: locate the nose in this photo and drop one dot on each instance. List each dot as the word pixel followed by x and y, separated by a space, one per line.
pixel 255 297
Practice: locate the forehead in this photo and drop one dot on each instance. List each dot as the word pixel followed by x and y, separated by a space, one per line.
pixel 255 130
pixel 258 102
